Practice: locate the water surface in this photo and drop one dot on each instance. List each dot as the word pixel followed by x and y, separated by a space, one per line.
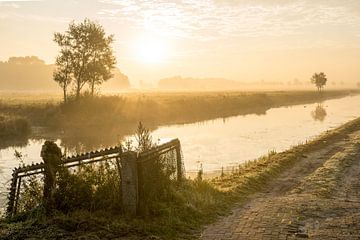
pixel 228 142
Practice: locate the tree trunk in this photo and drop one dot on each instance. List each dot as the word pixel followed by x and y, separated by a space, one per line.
pixel 92 87
pixel 64 89
pixel 78 90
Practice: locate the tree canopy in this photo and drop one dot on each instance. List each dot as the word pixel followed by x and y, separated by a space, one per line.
pixel 319 79
pixel 86 56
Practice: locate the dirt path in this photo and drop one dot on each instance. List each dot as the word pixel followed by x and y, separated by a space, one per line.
pixel 318 198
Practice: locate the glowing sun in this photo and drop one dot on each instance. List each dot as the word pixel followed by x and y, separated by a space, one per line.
pixel 150 50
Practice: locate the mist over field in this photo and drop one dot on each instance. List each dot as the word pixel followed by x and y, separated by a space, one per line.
pixel 32 74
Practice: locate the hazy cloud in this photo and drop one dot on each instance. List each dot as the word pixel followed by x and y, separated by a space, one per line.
pixel 207 20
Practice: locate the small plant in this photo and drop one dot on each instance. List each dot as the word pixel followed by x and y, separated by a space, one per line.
pixel 19 156
pixel 143 138
pixel 271 153
pixel 128 145
pixel 31 194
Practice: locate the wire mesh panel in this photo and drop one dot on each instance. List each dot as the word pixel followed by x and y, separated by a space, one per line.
pixel 166 158
pixel 89 186
pixel 30 192
pixel 158 170
pixel 87 170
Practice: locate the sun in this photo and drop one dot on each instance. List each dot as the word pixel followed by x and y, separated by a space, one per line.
pixel 149 49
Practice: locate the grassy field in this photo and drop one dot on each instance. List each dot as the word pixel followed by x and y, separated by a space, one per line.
pixel 192 205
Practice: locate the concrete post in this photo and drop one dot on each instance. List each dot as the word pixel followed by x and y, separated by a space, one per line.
pixel 51 155
pixel 129 182
pixel 179 163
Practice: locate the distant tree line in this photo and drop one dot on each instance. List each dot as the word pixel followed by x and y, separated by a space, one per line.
pixel 27 60
pixel 85 58
pixel 30 73
pixel 25 73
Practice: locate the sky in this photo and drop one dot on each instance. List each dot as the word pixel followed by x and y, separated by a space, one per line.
pixel 243 40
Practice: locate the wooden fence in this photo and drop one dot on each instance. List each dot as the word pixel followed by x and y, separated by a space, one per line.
pixel 128 162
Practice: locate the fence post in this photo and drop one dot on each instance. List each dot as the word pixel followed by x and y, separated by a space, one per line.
pixel 51 155
pixel 179 162
pixel 129 182
pixel 12 194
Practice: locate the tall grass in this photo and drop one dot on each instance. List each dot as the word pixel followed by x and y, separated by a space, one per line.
pixel 13 127
pixel 13 131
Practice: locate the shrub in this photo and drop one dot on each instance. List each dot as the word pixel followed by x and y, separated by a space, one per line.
pixel 92 187
pixel 31 194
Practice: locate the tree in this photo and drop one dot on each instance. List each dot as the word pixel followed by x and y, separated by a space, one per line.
pixel 90 57
pixel 319 79
pixel 62 73
pixel 99 72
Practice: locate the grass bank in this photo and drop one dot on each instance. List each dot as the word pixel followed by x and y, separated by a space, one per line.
pixel 189 206
pixel 91 118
